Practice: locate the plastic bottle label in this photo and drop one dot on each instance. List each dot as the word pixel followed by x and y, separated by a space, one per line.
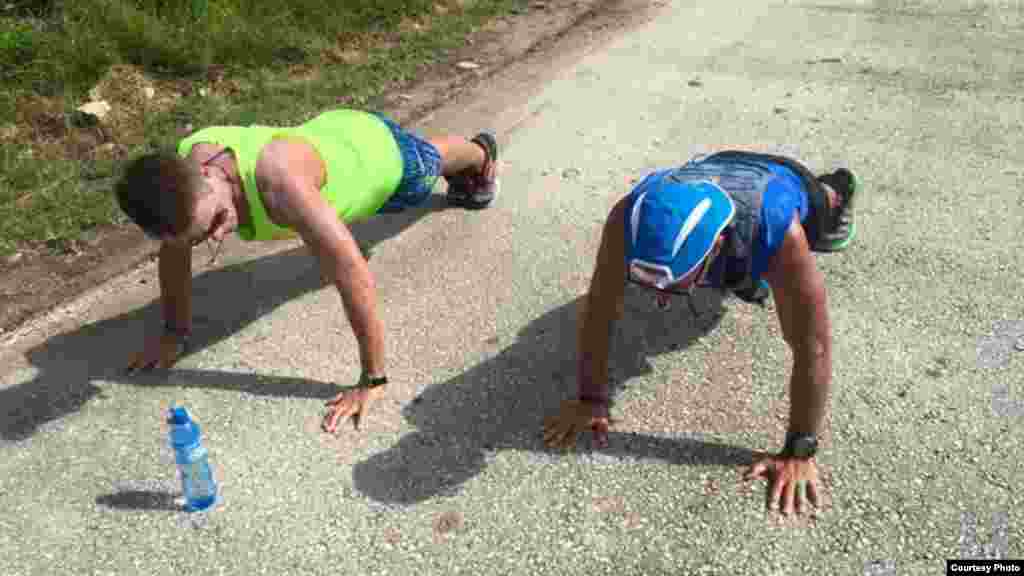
pixel 201 479
pixel 197 453
pixel 197 477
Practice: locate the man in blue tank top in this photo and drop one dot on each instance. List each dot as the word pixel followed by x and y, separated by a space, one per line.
pixel 746 223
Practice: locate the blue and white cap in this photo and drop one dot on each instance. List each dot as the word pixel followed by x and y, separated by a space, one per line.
pixel 672 226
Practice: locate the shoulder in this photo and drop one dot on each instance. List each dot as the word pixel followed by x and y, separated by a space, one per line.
pixel 201 151
pixel 286 157
pixel 615 223
pixel 618 211
pixel 780 206
pixel 286 167
pixel 613 237
pixel 793 261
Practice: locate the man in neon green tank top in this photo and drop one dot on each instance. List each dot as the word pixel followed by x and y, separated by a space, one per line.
pixel 307 181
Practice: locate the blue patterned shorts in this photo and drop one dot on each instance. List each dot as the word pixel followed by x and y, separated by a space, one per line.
pixel 421 168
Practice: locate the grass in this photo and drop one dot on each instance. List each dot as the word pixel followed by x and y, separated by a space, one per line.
pixel 208 61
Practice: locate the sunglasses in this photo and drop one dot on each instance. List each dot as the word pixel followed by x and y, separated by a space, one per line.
pixel 160 235
pixel 660 278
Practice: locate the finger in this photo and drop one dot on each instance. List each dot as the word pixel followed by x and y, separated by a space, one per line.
pixel 803 504
pixel 138 362
pixel 341 400
pixel 356 416
pixel 776 492
pixel 334 416
pixel 167 361
pixel 325 425
pixel 133 364
pixel 757 470
pixel 341 413
pixel 147 364
pixel 788 494
pixel 331 422
pixel 549 433
pixel 812 493
pixel 553 432
pixel 563 435
pixel 552 437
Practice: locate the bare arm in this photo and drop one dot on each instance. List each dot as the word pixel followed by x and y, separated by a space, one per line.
pixel 601 306
pixel 799 291
pixel 341 261
pixel 175 272
pixel 174 269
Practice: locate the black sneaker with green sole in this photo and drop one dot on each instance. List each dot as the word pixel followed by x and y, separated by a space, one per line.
pixel 842 229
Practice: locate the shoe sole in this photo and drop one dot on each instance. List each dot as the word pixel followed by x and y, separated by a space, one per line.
pixel 839 245
pixel 474 202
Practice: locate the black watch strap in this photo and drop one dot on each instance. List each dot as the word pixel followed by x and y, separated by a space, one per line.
pixel 372 382
pixel 800 445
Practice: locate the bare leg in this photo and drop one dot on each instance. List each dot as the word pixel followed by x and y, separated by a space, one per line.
pixel 470 167
pixel 834 199
pixel 458 155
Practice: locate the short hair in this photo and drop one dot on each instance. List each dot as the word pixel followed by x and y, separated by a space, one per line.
pixel 157 191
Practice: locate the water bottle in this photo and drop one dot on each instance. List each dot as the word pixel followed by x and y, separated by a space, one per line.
pixel 197 483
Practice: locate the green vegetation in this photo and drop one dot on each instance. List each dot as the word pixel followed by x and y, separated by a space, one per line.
pixel 206 61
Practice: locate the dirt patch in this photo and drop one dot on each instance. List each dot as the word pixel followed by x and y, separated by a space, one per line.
pixel 33 283
pixel 38 282
pixel 132 96
pixel 50 127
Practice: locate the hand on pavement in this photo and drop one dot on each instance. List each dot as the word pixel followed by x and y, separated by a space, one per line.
pixel 354 403
pixel 158 352
pixel 792 481
pixel 576 416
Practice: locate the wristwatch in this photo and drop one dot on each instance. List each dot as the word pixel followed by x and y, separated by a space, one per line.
pixel 372 381
pixel 800 445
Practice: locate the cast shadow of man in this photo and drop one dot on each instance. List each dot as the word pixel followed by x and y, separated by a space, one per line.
pixel 225 301
pixel 501 403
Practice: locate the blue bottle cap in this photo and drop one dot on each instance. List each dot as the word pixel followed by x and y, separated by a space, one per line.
pixel 178 416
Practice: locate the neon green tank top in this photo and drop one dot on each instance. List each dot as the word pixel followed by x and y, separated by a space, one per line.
pixel 363 164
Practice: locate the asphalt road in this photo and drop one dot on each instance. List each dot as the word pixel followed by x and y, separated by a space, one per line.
pixel 923 449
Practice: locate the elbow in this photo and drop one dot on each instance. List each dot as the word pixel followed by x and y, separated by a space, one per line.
pixel 357 278
pixel 813 343
pixel 350 275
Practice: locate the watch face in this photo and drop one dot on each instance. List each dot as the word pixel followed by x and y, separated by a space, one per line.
pixel 805 447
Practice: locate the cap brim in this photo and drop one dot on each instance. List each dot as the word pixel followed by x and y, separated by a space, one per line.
pixel 676 224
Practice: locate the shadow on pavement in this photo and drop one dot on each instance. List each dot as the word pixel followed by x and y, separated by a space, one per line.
pixel 140 500
pixel 501 403
pixel 68 363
